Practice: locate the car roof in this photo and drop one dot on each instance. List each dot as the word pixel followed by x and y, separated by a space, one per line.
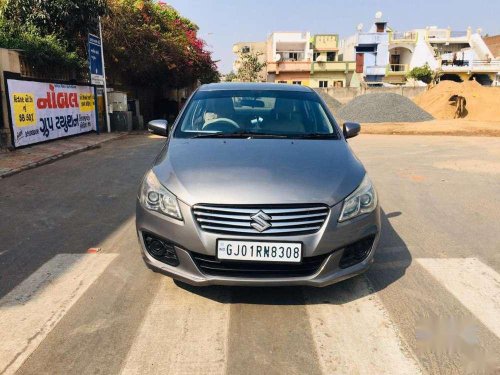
pixel 253 86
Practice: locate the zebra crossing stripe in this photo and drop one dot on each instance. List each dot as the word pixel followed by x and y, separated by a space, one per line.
pixel 353 333
pixel 473 283
pixel 182 333
pixel 30 311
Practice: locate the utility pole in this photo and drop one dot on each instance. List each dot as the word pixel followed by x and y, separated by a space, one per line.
pixel 106 108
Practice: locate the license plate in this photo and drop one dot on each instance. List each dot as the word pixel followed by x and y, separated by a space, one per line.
pixel 259 251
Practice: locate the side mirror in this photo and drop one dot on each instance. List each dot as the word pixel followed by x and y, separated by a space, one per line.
pixel 351 129
pixel 159 127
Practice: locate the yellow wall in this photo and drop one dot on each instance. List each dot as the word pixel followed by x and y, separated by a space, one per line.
pixel 325 42
pixel 331 77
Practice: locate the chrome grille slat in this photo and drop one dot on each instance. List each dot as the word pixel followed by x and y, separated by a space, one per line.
pixel 246 217
pixel 285 220
pixel 247 223
pixel 253 231
pixel 269 211
pixel 236 217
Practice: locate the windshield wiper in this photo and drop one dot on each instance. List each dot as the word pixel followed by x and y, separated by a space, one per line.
pixel 242 134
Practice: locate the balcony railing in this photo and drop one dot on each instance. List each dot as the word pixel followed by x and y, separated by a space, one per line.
pixel 333 66
pixel 291 55
pixel 471 66
pixel 371 38
pixel 289 66
pixel 397 69
pixel 446 35
pixel 403 37
pixel 459 34
pixel 375 70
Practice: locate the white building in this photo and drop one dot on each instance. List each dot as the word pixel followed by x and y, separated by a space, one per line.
pixel 385 56
pixel 289 57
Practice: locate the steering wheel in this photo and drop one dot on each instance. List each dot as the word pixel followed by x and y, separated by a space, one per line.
pixel 220 124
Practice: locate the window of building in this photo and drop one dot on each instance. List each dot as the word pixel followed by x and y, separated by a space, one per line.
pixel 297 82
pixel 323 83
pixel 338 84
pixel 380 27
pixel 281 81
pixel 316 55
pixel 294 56
pixel 330 56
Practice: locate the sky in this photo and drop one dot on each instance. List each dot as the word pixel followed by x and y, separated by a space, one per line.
pixel 225 22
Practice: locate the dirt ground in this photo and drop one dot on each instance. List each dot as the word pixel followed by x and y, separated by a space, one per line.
pixel 435 127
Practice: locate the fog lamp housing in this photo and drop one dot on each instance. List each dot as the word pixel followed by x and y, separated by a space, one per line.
pixel 161 249
pixel 356 252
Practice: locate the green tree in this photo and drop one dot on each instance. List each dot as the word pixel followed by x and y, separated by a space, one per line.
pixel 68 20
pixel 249 67
pixel 47 51
pixel 151 43
pixel 145 42
pixel 422 73
pixel 231 76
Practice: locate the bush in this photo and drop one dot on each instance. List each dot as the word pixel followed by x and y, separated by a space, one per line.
pixel 41 51
pixel 422 73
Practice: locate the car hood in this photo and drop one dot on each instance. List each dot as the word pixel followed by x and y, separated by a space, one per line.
pixel 259 171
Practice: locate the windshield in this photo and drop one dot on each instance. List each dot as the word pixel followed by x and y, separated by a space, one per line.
pixel 249 113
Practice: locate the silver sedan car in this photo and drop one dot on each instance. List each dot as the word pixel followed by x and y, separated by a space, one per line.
pixel 256 185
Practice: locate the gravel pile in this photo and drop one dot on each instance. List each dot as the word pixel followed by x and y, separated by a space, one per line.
pixel 383 107
pixel 332 103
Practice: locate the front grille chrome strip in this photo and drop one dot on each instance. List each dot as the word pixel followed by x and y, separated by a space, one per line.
pixel 253 231
pixel 269 211
pixel 285 220
pixel 245 217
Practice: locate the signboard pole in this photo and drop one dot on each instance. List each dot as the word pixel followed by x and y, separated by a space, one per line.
pixel 106 108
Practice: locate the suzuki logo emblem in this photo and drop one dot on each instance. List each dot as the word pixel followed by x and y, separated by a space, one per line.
pixel 261 221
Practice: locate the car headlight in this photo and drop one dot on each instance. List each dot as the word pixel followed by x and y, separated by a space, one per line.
pixel 363 200
pixel 155 197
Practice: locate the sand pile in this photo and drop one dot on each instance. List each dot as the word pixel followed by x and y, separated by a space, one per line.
pixel 483 103
pixel 382 107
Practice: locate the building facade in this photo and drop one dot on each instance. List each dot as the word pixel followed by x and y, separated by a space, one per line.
pixel 327 67
pixel 259 48
pixel 384 56
pixel 297 58
pixel 289 58
pixel 376 57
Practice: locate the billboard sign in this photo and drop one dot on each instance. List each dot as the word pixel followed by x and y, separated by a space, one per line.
pixel 41 111
pixel 95 60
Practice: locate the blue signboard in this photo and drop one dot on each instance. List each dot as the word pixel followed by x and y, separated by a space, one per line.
pixel 95 60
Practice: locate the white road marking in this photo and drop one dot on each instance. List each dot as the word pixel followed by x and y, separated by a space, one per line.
pixel 354 334
pixel 31 310
pixel 473 283
pixel 182 333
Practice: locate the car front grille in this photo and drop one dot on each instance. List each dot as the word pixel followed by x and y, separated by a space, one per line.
pixel 210 265
pixel 275 220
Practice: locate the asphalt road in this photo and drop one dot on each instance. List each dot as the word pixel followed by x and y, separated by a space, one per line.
pixel 430 303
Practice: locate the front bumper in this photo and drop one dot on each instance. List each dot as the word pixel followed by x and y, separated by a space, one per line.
pixel 188 237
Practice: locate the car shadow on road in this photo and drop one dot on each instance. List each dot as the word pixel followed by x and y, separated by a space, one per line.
pixel 391 260
pixel 67 207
